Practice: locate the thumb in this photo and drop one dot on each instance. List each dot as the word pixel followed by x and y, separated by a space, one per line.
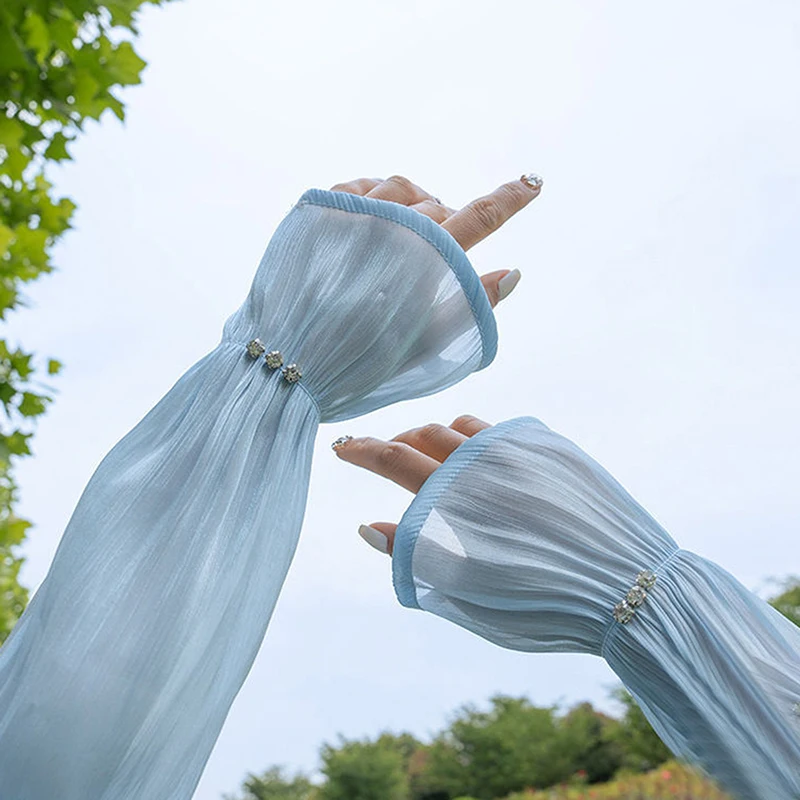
pixel 379 535
pixel 499 284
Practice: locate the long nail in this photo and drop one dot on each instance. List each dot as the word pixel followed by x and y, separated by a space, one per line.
pixel 532 180
pixel 507 283
pixel 339 443
pixel 374 538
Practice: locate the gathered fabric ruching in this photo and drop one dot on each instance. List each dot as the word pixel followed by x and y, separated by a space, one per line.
pixel 116 681
pixel 523 539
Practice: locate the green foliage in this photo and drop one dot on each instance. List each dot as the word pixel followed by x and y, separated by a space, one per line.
pixel 488 754
pixel 671 781
pixel 364 770
pixel 590 740
pixel 788 601
pixel 60 63
pixel 274 784
pixel 514 750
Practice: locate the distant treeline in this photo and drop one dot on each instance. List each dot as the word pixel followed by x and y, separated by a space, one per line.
pixel 506 752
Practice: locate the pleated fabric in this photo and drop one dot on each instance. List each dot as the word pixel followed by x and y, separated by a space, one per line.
pixel 117 679
pixel 523 539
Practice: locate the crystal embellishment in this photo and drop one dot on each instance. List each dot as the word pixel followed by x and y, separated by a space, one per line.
pixel 274 359
pixel 623 613
pixel 255 348
pixel 646 579
pixel 291 373
pixel 636 596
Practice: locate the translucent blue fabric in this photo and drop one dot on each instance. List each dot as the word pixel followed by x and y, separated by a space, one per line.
pixel 523 539
pixel 117 679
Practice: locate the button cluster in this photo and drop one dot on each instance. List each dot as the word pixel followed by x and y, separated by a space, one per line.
pixel 274 360
pixel 625 610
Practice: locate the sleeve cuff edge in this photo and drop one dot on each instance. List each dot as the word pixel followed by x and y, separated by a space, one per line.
pixel 413 519
pixel 437 237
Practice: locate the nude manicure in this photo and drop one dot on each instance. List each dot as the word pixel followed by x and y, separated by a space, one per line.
pixel 507 283
pixel 374 538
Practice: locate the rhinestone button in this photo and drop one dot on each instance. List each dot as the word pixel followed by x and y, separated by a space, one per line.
pixel 274 359
pixel 255 348
pixel 646 579
pixel 623 613
pixel 291 373
pixel 636 596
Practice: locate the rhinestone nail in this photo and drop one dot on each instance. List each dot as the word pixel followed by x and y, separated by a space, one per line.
pixel 274 359
pixel 291 373
pixel 255 348
pixel 532 180
pixel 341 441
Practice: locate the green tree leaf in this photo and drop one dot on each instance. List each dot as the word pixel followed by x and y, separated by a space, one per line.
pixel 57 149
pixel 37 35
pixel 124 65
pixel 32 404
pixel 788 601
pixel 60 62
pixel 6 237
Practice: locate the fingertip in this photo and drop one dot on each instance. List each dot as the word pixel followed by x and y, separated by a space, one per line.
pixel 338 445
pixel 500 284
pixel 379 535
pixel 533 181
pixel 507 284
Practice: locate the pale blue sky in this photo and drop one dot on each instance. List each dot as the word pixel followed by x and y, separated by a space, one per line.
pixel 655 324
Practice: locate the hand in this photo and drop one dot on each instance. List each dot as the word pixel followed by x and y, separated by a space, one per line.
pixel 409 460
pixel 467 226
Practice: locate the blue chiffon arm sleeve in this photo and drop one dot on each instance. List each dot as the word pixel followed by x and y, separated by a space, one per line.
pixel 523 539
pixel 117 679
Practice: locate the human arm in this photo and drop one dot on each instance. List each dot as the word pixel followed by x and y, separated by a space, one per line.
pixel 519 536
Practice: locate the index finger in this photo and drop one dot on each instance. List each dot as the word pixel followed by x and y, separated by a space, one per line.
pixel 485 215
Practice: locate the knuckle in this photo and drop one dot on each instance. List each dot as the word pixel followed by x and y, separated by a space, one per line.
pixel 401 182
pixel 390 456
pixel 487 213
pixel 430 432
pixel 464 421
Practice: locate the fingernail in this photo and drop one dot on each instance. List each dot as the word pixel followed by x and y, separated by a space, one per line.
pixel 532 180
pixel 507 283
pixel 339 443
pixel 374 538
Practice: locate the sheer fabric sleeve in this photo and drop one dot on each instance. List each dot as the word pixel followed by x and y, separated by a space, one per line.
pixel 117 679
pixel 523 539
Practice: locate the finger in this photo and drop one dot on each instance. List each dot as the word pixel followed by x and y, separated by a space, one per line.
pixel 399 190
pixel 396 461
pixel 379 535
pixel 434 440
pixel 437 211
pixel 359 186
pixel 499 284
pixel 485 215
pixel 469 425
